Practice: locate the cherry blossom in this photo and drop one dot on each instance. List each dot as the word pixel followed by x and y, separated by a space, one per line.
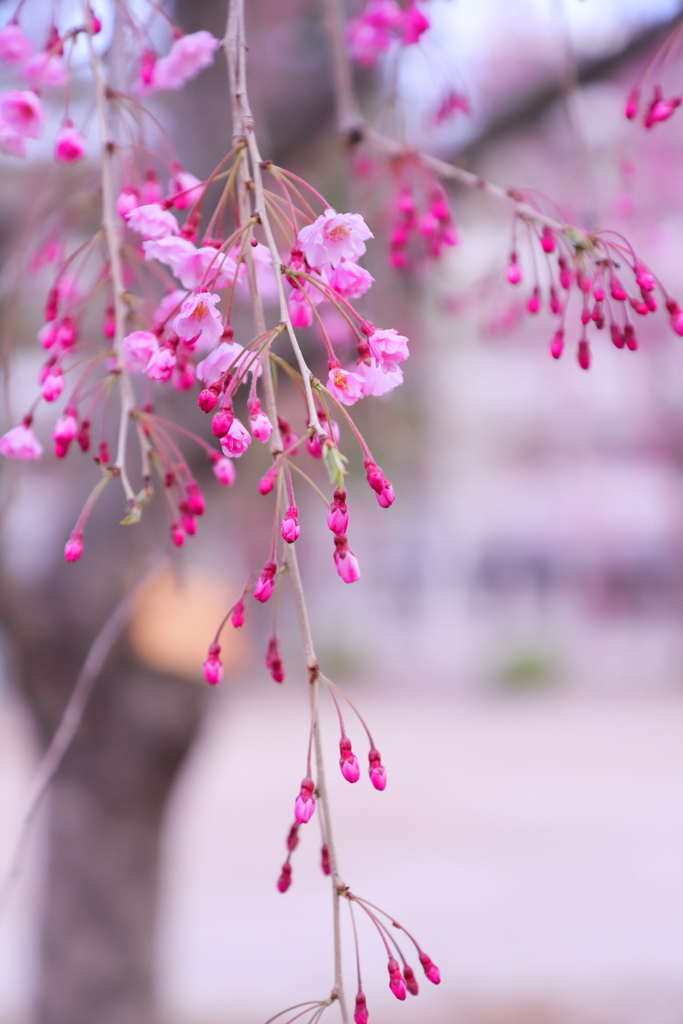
pixel 188 56
pixel 224 471
pixel 152 221
pixel 15 47
pixel 334 236
pixel 376 380
pixel 69 145
pixel 305 804
pixel 23 111
pixel 236 441
pixel 20 443
pixel 345 385
pixel 45 70
pixel 198 320
pixel 389 348
pixel 138 349
pixel 350 280
pixel 161 365
pixel 211 369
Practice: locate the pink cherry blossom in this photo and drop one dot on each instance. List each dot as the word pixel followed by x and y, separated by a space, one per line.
pixel 413 25
pixel 12 143
pixel 265 274
pixel 15 47
pixel 169 305
pixel 265 584
pixel 376 380
pixel 305 804
pixel 44 71
pixel 161 365
pixel 198 320
pixel 389 348
pixel 333 237
pixel 152 221
pixel 350 280
pixel 237 440
pixel 64 431
pixel 289 527
pixel 22 111
pixel 169 249
pixel 69 145
pixel 138 349
pixel 20 443
pixel 211 369
pixel 187 57
pixel 196 267
pixel 224 471
pixel 345 385
pixel 186 189
pixel 213 666
pixel 373 32
pixel 300 312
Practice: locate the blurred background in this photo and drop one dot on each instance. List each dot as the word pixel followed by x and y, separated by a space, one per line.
pixel 515 642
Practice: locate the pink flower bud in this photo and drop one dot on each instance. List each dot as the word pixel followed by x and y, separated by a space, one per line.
pixel 69 145
pixel 260 425
pixel 640 307
pixel 386 497
pixel 617 336
pixel 285 879
pixel 109 325
pixel 345 561
pixel 189 525
pixel 348 762
pixel 224 470
pixel 293 838
pixel 53 385
pixel 599 294
pixel 289 526
pixel 289 438
pixel 616 288
pixel 360 1014
pixel 127 201
pixel 237 617
pixel 177 535
pixel 585 315
pixel 396 982
pixel 377 771
pixel 305 804
pixel 267 482
pixel 649 300
pixel 644 278
pixel 338 514
pixel 630 338
pixel 213 666
pixel 534 303
pixel 411 981
pixel 65 430
pixel 208 400
pixel 274 661
pixel 265 584
pixel 195 500
pixel 222 422
pixel 555 304
pixel 514 271
pixel 633 103
pixel 83 436
pixel 430 969
pixel 557 344
pixel 74 547
pixel 161 365
pixel 325 860
pixel 548 240
pixel 584 355
pixel 677 320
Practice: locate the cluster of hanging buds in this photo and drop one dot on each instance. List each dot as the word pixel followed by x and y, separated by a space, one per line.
pixel 657 106
pixel 381 24
pixel 602 273
pixel 420 215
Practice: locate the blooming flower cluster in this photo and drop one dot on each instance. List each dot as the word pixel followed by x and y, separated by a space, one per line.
pixel 381 23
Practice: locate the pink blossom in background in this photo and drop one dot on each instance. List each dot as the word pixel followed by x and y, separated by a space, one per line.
pixel 265 274
pixel 224 471
pixel 211 369
pixel 191 189
pixel 138 349
pixel 334 236
pixel 300 312
pixel 187 57
pixel 198 320
pixel 152 221
pixel 413 24
pixel 345 385
pixel 43 71
pixel 169 249
pixel 204 266
pixel 169 305
pixel 373 32
pixel 378 381
pixel 15 47
pixel 12 143
pixel 127 201
pixel 69 145
pixel 236 441
pixel 20 443
pixel 350 280
pixel 53 385
pixel 23 111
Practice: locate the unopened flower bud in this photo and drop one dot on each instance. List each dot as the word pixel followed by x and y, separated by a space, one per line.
pixel 189 525
pixel 274 661
pixel 259 424
pixel 325 860
pixel 305 804
pixel 293 838
pixel 53 385
pixel 195 500
pixel 338 514
pixel 348 762
pixel 360 1014
pixel 285 879
pixel 411 981
pixel 345 561
pixel 207 399
pixel 224 470
pixel 548 240
pixel 74 547
pixel 377 771
pixel 289 527
pixel 222 422
pixel 514 271
pixel 64 431
pixel 177 535
pixel 83 436
pixel 632 103
pixel 617 290
pixel 534 303
pixel 630 338
pixel 213 666
pixel 584 355
pixel 267 482
pixel 237 617
pixel 430 969
pixel 617 336
pixel 396 982
pixel 557 344
pixel 265 584
pixel 566 274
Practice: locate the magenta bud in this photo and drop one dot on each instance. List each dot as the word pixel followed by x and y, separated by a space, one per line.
pixel 557 344
pixel 430 969
pixel 338 513
pixel 617 290
pixel 514 271
pixel 548 240
pixel 348 762
pixel 617 336
pixel 274 661
pixel 207 400
pixel 632 104
pixel 195 500
pixel 630 338
pixel 289 526
pixel 222 422
pixel 293 838
pixel 177 535
pixel 224 470
pixel 396 982
pixel 305 804
pixel 237 617
pixel 411 981
pixel 213 666
pixel 584 355
pixel 285 879
pixel 360 1014
pixel 377 771
pixel 265 584
pixel 189 525
pixel 534 303
pixel 267 482
pixel 74 547
pixel 325 860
